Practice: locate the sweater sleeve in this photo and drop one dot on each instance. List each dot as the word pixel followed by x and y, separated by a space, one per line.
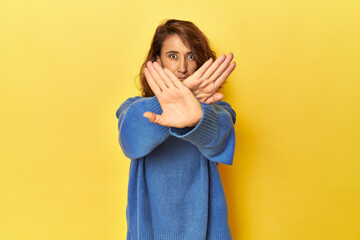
pixel 214 135
pixel 137 135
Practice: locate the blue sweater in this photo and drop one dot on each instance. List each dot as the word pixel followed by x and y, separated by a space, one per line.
pixel 175 190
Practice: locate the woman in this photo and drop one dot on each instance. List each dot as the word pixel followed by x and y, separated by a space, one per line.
pixel 175 134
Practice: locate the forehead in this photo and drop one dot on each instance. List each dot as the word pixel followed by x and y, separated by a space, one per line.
pixel 174 43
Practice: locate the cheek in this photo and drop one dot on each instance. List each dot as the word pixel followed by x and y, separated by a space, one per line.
pixel 192 68
pixel 169 65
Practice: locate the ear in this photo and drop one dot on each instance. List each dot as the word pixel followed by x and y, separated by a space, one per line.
pixel 158 60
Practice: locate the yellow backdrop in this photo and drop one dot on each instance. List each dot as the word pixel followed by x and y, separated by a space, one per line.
pixel 66 66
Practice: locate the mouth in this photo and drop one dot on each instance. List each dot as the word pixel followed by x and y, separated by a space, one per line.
pixel 181 78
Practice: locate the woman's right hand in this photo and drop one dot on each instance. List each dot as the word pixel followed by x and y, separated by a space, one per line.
pixel 205 82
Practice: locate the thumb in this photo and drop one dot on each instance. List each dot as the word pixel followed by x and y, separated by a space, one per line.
pixel 154 118
pixel 149 115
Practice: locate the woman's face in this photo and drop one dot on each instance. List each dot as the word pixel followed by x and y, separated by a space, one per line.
pixel 176 57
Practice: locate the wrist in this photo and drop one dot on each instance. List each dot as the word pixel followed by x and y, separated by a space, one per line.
pixel 186 84
pixel 197 118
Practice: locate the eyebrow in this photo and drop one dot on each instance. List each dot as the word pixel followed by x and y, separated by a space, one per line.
pixel 176 52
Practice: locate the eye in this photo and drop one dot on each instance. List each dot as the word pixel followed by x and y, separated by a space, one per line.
pixel 191 57
pixel 172 56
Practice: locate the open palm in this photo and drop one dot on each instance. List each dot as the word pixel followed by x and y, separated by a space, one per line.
pixel 179 105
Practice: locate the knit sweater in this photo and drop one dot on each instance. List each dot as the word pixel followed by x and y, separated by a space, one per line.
pixel 175 190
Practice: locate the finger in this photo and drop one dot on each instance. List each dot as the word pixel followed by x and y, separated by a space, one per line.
pixel 152 84
pixel 156 76
pixel 214 66
pixel 220 80
pixel 162 74
pixel 151 116
pixel 175 81
pixel 154 118
pixel 214 98
pixel 222 67
pixel 203 68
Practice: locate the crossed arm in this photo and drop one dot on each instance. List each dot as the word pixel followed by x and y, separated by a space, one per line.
pixel 180 101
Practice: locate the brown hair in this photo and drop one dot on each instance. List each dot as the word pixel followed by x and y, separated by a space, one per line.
pixel 191 36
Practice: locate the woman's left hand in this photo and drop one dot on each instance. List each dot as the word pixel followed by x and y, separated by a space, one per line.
pixel 205 82
pixel 180 107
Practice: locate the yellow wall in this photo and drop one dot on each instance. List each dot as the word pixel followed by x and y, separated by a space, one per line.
pixel 66 66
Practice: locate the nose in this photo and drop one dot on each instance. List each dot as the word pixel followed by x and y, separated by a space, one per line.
pixel 182 67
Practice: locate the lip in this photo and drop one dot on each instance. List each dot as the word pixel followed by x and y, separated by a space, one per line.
pixel 181 78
